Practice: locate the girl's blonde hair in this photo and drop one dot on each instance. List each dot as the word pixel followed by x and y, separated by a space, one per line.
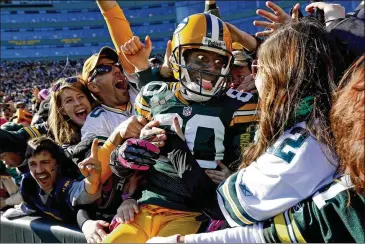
pixel 347 123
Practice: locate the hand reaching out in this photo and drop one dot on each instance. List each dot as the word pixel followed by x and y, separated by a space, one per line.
pixel 247 85
pixel 131 128
pixel 218 176
pixel 126 211
pixel 94 230
pixel 277 18
pixel 153 134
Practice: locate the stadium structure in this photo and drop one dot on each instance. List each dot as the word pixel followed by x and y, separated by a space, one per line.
pixel 55 30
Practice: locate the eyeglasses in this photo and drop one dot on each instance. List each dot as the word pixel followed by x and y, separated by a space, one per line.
pixel 255 68
pixel 58 85
pixel 103 69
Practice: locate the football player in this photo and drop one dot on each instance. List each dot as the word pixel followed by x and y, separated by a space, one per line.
pixel 217 123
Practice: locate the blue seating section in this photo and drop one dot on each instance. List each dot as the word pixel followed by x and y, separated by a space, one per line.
pixel 78 15
pixel 82 32
pixel 53 50
pixel 91 37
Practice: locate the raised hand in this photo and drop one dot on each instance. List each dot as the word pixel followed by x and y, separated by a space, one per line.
pixel 137 53
pixel 35 92
pixel 277 18
pixel 91 169
pixel 165 69
pixel 331 11
pixel 295 13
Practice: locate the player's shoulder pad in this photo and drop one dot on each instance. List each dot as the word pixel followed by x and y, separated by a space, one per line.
pixel 153 88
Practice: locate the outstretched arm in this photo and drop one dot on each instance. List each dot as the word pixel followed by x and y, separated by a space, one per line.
pixel 119 28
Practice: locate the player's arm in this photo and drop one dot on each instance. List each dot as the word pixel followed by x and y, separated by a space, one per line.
pixel 142 107
pixel 119 28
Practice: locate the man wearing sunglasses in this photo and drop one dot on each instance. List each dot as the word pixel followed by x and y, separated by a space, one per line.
pixel 104 77
pixel 114 120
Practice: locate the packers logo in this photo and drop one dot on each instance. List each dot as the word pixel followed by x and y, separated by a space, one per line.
pixel 182 25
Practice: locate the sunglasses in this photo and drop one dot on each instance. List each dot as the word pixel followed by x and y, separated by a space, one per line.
pixel 103 69
pixel 255 68
pixel 60 84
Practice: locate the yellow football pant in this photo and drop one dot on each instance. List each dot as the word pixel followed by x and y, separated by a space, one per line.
pixel 154 221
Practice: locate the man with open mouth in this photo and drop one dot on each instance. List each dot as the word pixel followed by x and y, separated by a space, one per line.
pixel 48 188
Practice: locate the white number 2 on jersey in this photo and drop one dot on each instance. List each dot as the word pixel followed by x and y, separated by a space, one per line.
pixel 191 129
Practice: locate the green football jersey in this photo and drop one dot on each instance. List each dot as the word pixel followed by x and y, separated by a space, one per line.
pixel 215 130
pixel 336 213
pixel 219 129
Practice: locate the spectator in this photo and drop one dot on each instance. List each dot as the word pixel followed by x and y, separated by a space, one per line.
pixel 7 111
pixel 241 72
pixel 23 117
pixel 48 190
pixel 12 149
pixel 336 212
pixel 70 104
pixel 19 78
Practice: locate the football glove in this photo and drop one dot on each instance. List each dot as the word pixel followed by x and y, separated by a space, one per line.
pixel 133 154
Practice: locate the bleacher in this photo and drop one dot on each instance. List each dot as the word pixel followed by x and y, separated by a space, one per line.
pixel 53 29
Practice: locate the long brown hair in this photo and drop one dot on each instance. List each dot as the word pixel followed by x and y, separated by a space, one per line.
pixel 347 123
pixel 295 62
pixel 64 130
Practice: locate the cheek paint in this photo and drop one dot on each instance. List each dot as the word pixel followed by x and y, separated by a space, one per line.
pixel 53 169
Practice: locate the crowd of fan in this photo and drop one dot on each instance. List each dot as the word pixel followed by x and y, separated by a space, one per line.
pixel 135 148
pixel 18 79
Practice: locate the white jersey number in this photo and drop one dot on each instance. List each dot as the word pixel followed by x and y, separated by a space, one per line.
pixel 191 130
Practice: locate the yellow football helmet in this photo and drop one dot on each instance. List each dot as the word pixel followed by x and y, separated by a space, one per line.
pixel 205 32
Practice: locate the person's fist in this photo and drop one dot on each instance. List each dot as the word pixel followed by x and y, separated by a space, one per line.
pixel 137 53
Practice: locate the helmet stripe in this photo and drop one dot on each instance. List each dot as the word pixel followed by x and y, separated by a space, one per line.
pixel 220 29
pixel 209 25
pixel 215 28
